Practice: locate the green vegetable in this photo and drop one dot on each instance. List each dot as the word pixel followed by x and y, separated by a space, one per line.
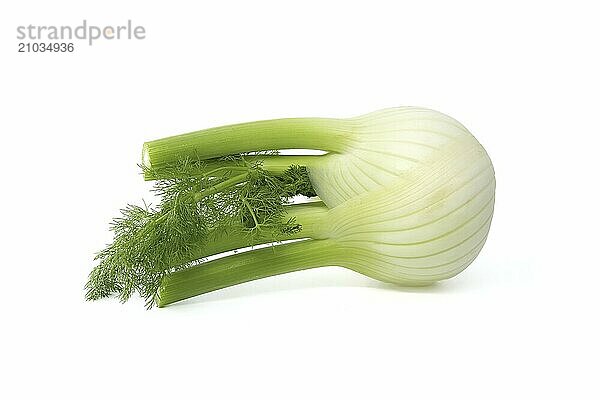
pixel 407 197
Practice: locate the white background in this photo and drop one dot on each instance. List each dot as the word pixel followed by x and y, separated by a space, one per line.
pixel 519 323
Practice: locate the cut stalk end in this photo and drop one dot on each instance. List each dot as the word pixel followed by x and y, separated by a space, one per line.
pixel 146 157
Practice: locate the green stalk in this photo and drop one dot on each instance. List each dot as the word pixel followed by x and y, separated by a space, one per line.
pixel 245 267
pixel 221 186
pixel 276 165
pixel 309 215
pixel 326 134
